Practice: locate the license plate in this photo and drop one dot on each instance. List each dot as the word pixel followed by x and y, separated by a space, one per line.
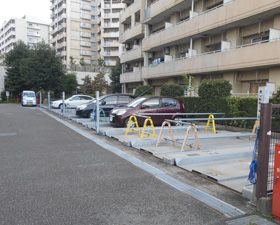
pixel 29 103
pixel 111 118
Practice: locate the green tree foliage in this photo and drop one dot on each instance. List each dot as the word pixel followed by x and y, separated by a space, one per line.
pixel 70 83
pixel 35 69
pixel 143 90
pixel 86 87
pixel 15 81
pixel 276 97
pixel 101 62
pixel 190 83
pixel 214 89
pixel 82 61
pixel 115 78
pixel 100 84
pixel 172 90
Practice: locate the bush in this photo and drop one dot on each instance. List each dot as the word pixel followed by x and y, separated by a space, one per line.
pixel 231 106
pixel 144 90
pixel 276 97
pixel 3 96
pixel 214 89
pixel 172 90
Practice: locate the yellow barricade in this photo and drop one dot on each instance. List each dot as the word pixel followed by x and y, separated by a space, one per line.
pixel 211 116
pixel 143 134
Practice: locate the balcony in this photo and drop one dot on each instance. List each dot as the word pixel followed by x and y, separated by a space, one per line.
pixel 251 56
pixel 134 76
pixel 85 43
pixel 33 34
pixel 60 45
pixel 85 25
pixel 85 7
pixel 132 55
pixel 85 34
pixel 217 18
pixel 110 34
pixel 33 26
pixel 136 6
pixel 111 15
pixel 111 44
pixel 112 25
pixel 85 16
pixel 111 53
pixel 133 33
pixel 61 8
pixel 160 9
pixel 85 53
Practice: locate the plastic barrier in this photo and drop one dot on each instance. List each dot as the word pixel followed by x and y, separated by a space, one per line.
pixel 135 122
pixel 211 116
pixel 173 140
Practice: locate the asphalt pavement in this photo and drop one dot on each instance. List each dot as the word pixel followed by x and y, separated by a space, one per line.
pixel 50 174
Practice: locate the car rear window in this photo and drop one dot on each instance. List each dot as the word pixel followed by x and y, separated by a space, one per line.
pixel 124 99
pixel 28 94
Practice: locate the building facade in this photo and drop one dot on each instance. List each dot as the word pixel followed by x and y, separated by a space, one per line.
pixel 109 31
pixel 75 30
pixel 28 29
pixel 235 40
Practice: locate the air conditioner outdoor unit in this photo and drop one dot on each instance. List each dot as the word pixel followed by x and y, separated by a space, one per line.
pixel 127 46
pixel 137 64
pixel 136 42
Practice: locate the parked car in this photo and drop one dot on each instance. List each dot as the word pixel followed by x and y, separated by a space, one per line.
pixel 73 101
pixel 28 98
pixel 106 102
pixel 148 104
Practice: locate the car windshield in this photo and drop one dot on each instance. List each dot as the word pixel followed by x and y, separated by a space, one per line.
pixel 136 102
pixel 29 94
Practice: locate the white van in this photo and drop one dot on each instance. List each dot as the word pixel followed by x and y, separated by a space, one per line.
pixel 28 98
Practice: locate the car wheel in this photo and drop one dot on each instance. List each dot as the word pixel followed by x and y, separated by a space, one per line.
pixel 89 113
pixel 132 124
pixel 60 106
pixel 177 124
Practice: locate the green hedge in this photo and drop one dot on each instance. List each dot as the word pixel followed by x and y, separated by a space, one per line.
pixel 231 106
pixel 171 90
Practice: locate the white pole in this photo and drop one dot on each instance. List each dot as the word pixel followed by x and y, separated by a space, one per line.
pixel 40 99
pixel 49 99
pixel 97 111
pixel 63 103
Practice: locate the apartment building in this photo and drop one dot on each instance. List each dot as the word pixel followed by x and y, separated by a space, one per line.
pixel 75 30
pixel 28 29
pixel 109 31
pixel 237 40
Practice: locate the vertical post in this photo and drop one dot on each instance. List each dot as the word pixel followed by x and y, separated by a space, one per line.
pixel 63 103
pixel 97 112
pixel 263 149
pixel 49 100
pixel 40 99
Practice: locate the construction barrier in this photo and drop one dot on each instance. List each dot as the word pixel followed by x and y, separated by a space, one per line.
pixel 133 120
pixel 173 140
pixel 211 117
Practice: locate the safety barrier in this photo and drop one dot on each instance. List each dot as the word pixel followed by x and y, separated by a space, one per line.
pixel 173 140
pixel 211 116
pixel 101 112
pixel 133 121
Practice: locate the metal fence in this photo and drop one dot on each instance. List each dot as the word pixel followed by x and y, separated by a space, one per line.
pixel 269 134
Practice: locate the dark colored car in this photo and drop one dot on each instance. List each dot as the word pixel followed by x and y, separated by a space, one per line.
pixel 106 102
pixel 148 104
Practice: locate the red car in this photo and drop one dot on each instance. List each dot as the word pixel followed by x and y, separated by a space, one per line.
pixel 148 104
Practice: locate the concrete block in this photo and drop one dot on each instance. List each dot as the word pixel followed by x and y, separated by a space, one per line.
pixel 264 205
pixel 247 192
pixel 170 161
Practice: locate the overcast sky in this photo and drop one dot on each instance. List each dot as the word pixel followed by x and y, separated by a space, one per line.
pixel 18 8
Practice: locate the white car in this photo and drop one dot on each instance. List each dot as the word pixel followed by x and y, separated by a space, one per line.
pixel 73 101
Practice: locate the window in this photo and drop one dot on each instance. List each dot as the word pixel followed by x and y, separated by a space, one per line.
pixel 92 44
pixel 110 100
pixel 92 35
pixel 92 8
pixel 75 98
pixel 152 103
pixel 92 17
pixel 169 102
pixel 124 99
pixel 92 25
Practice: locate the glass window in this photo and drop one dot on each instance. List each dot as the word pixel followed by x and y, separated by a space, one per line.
pixel 152 103
pixel 92 25
pixel 92 8
pixel 169 102
pixel 110 100
pixel 75 98
pixel 124 99
pixel 92 17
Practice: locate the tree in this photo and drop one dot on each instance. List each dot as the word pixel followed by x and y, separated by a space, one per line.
pixel 86 87
pixel 115 78
pixel 101 62
pixel 43 69
pixel 142 90
pixel 72 62
pixel 15 81
pixel 82 61
pixel 100 84
pixel 70 83
pixel 33 69
pixel 190 83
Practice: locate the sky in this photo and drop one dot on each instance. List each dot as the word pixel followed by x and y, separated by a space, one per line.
pixel 18 8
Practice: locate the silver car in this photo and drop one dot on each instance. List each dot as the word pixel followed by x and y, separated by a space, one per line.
pixel 28 98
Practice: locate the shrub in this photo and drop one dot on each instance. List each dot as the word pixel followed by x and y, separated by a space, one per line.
pixel 143 90
pixel 214 89
pixel 276 97
pixel 172 90
pixel 3 96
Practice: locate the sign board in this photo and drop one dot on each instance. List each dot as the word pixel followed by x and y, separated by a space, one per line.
pixel 263 97
pixel 7 93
